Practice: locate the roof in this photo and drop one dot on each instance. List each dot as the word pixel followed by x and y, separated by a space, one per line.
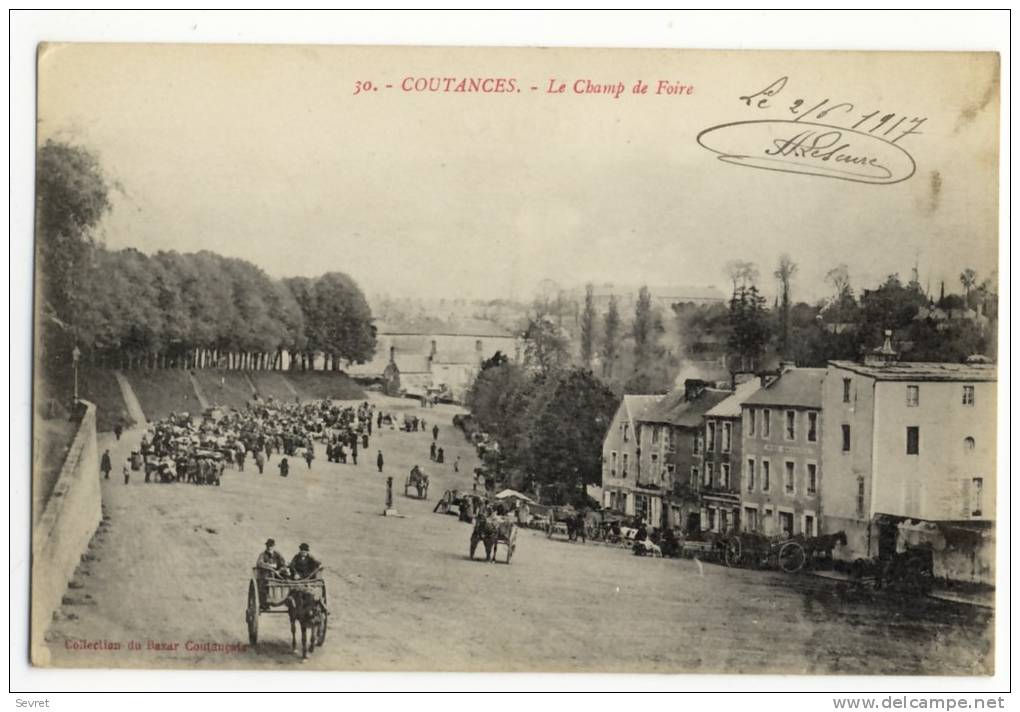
pixel 798 387
pixel 675 409
pixel 637 406
pixel 471 357
pixel 412 363
pixel 729 407
pixel 426 326
pixel 923 371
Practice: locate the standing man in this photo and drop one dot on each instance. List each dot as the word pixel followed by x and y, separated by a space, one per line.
pixel 435 432
pixel 284 467
pixel 379 461
pixel 127 474
pixel 118 429
pixel 354 451
pixel 105 465
pixel 260 460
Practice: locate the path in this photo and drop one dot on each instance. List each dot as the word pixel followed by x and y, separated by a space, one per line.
pixel 134 408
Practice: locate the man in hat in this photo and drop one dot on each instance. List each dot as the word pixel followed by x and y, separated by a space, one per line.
pixel 304 565
pixel 105 465
pixel 267 566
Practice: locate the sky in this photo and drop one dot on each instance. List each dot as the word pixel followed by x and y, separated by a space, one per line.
pixel 267 153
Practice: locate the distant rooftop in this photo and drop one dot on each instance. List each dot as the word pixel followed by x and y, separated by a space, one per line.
pixel 637 406
pixel 730 406
pixel 923 371
pixel 798 387
pixel 675 409
pixel 425 326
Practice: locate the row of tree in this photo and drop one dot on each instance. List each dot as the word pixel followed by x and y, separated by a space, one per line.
pixel 125 308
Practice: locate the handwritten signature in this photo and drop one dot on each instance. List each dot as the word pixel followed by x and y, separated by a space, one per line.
pixel 811 149
pixel 864 150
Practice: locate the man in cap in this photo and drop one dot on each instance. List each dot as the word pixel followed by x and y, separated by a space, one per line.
pixel 304 565
pixel 267 566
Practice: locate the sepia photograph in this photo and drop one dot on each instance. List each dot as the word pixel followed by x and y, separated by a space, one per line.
pixel 515 359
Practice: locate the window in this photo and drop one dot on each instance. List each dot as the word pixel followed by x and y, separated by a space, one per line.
pixel 727 436
pixel 913 439
pixel 710 437
pixel 860 496
pixel 812 427
pixel 670 440
pixel 786 523
pixel 641 507
pixel 622 502
pixel 913 396
pixel 766 423
pixel 711 518
pixel 670 471
pixel 724 475
pixel 750 474
pixel 846 437
pixel 768 524
pixel 766 475
pixel 612 459
pixel 968 395
pixel 623 467
pixel 812 478
pixel 750 519
pixel 655 465
pixel 612 500
pixel 708 474
pixel 968 445
pixel 626 432
pixel 809 525
pixel 655 434
pixel 788 476
pixel 697 443
pixel 791 425
pixel 977 486
pixel 695 474
pixel 751 413
pixel 846 390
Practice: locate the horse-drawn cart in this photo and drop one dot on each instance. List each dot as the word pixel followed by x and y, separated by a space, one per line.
pixel 753 550
pixel 304 599
pixel 419 480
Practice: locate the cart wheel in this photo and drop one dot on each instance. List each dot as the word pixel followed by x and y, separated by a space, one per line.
pixel 321 638
pixel 251 613
pixel 791 557
pixel 732 553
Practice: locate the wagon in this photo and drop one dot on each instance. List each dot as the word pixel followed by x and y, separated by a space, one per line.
pixel 419 480
pixel 748 549
pixel 268 597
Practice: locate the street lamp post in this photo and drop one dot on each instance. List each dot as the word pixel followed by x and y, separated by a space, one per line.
pixel 75 355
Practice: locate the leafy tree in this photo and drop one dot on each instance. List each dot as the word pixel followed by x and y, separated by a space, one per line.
pixel 968 278
pixel 545 344
pixel 785 271
pixel 611 338
pixel 642 328
pixel 749 327
pixel 588 326
pixel 567 421
pixel 72 196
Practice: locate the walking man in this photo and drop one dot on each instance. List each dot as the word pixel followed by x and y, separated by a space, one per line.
pixel 379 461
pixel 127 474
pixel 105 465
pixel 435 432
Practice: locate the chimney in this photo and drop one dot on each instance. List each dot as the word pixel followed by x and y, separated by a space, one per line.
pixel 693 387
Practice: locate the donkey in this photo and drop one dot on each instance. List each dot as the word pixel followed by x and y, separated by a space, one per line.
pixel 304 608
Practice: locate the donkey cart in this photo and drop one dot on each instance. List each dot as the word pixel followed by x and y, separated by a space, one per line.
pixel 304 600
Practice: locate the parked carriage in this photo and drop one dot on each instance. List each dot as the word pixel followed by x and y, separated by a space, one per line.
pixel 269 596
pixel 911 571
pixel 753 550
pixel 418 479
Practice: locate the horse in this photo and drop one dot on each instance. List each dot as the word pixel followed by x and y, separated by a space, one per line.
pixel 820 547
pixel 305 609
pixel 484 531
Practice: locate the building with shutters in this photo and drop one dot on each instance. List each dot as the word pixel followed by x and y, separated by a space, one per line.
pixel 781 443
pixel 909 453
pixel 620 451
